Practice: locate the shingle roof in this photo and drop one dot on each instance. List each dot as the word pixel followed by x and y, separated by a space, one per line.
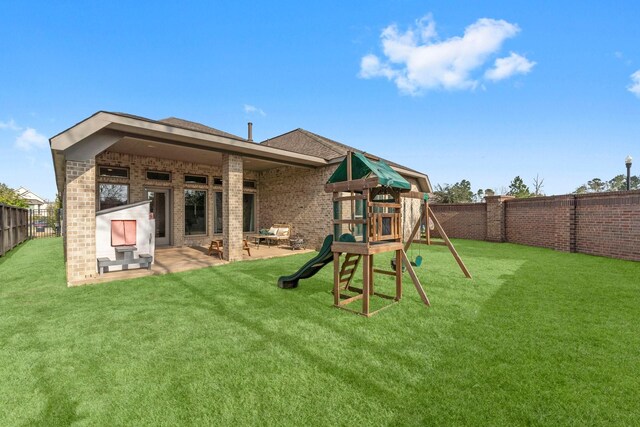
pixel 304 142
pixel 184 124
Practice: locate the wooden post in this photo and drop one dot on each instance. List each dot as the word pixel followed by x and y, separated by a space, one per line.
pixel 398 276
pixel 414 278
pixel 371 290
pixel 336 279
pixel 452 249
pixel 366 283
pixel 427 229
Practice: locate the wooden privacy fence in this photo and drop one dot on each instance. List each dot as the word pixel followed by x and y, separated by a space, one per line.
pixel 14 227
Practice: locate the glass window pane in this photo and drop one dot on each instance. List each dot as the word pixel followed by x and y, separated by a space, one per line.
pixel 113 171
pixel 217 212
pixel 195 179
pixel 248 212
pixel 159 176
pixel 112 195
pixel 195 212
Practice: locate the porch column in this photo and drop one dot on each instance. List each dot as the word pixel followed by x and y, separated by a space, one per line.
pixel 80 220
pixel 232 175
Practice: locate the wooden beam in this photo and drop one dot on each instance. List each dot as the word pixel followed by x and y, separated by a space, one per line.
pixel 414 278
pixel 366 285
pixel 452 249
pixel 387 272
pixel 398 274
pixel 413 195
pixel 336 278
pixel 356 184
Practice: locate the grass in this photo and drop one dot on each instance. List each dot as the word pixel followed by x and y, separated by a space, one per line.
pixel 536 338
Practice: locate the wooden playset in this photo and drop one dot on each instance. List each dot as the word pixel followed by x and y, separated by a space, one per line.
pixel 367 204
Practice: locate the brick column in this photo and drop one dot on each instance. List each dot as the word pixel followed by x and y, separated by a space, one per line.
pixel 232 175
pixel 80 219
pixel 496 218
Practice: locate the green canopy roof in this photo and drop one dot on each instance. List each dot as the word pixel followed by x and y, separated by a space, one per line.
pixel 361 167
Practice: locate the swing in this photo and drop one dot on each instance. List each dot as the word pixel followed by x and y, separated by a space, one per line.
pixel 418 260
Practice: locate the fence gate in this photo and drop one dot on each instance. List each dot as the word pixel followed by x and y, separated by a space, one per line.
pixel 45 223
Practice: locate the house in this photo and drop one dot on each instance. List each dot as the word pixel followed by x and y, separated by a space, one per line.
pixel 34 201
pixel 203 183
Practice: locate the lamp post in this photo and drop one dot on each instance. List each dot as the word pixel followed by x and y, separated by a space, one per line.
pixel 627 162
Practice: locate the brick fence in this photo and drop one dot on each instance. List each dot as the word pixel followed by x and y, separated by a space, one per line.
pixel 605 224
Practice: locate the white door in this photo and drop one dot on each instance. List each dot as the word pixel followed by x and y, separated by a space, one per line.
pixel 161 209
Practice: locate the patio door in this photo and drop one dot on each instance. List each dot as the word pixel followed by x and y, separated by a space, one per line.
pixel 160 207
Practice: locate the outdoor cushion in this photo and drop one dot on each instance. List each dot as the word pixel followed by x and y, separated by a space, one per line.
pixel 273 231
pixel 282 232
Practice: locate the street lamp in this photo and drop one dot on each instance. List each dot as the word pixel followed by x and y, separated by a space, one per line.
pixel 627 162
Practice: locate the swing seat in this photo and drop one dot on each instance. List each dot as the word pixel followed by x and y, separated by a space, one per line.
pixel 418 261
pixel 393 265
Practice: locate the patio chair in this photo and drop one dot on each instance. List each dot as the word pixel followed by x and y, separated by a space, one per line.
pixel 217 246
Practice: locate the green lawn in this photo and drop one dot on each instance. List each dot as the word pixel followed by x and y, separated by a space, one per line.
pixel 537 337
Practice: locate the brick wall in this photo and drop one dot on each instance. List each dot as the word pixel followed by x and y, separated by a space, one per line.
pixel 608 224
pixel 462 220
pixel 296 196
pixel 137 181
pixel 605 224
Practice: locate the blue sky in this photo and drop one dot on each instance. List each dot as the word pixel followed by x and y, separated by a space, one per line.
pixel 482 91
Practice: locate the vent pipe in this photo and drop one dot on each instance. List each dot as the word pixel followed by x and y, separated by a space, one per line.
pixel 250 130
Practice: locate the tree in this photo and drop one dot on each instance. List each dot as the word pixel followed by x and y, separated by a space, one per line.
pixel 478 196
pixel 617 183
pixel 9 197
pixel 581 190
pixel 460 192
pixel 488 192
pixel 518 188
pixel 538 184
pixel 596 185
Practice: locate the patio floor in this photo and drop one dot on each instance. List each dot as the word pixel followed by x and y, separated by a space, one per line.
pixel 176 259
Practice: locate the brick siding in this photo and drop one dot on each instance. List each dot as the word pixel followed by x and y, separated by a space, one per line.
pixel 80 220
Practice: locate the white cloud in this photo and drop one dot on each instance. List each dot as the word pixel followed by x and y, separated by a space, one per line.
pixel 417 61
pixel 634 87
pixel 30 138
pixel 508 66
pixel 250 109
pixel 11 125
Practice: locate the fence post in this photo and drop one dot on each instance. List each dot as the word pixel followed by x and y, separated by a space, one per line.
pixel 1 230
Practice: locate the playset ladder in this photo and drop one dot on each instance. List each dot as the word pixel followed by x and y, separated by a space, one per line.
pixel 348 269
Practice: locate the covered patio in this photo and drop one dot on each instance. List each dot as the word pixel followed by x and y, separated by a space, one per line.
pixel 185 258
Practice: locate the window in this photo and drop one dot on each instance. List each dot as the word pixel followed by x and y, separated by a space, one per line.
pixel 113 172
pixel 217 212
pixel 195 212
pixel 159 176
pixel 249 184
pixel 195 179
pixel 112 195
pixel 217 181
pixel 248 212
